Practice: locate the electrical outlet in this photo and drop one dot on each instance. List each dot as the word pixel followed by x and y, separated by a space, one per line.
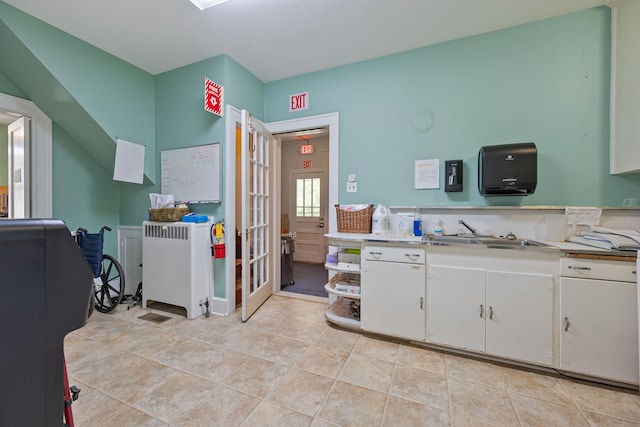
pixel 352 187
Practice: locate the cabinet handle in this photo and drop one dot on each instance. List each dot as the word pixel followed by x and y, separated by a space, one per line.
pixel 481 311
pixel 566 324
pixel 421 302
pixel 572 267
pixel 490 312
pixel 412 257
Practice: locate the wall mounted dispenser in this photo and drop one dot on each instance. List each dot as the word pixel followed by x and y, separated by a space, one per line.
pixel 453 176
pixel 508 170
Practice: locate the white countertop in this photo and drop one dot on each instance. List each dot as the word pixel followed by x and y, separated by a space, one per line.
pixel 561 246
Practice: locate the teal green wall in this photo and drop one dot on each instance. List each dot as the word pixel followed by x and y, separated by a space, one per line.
pixel 181 121
pixel 546 82
pixel 84 195
pixel 93 95
pixel 9 88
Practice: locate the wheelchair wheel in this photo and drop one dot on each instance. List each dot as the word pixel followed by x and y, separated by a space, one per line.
pixel 109 294
pixel 90 309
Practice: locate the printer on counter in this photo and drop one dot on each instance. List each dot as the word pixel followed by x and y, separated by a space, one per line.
pixel 508 169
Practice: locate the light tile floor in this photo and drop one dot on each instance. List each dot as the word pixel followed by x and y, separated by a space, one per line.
pixel 287 367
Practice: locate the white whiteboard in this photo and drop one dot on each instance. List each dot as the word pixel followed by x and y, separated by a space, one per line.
pixel 192 174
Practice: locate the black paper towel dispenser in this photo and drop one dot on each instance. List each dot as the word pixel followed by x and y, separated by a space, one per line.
pixel 508 169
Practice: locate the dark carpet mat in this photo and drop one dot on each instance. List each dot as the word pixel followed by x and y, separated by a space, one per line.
pixel 308 279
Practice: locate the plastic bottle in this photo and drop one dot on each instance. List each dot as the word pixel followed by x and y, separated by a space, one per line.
pixel 380 220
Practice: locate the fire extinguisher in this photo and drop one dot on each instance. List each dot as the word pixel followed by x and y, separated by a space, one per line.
pixel 217 237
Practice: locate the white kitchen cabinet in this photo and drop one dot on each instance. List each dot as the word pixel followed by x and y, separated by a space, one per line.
pixel 625 86
pixel 599 327
pixel 520 316
pixel 456 304
pixel 499 312
pixel 393 293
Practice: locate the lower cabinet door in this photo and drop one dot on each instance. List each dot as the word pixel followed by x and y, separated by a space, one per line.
pixel 456 307
pixel 520 316
pixel 599 335
pixel 393 299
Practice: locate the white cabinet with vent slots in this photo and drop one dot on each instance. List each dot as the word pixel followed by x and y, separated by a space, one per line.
pixel 498 303
pixel 177 267
pixel 393 295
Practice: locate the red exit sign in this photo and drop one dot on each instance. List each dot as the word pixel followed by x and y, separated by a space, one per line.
pixel 306 149
pixel 306 164
pixel 299 101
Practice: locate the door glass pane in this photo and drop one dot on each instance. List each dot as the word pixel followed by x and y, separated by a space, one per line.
pixel 308 197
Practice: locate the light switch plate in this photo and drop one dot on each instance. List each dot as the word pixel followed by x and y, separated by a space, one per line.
pixel 352 187
pixel 351 177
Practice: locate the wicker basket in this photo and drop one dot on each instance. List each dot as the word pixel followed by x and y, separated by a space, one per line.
pixel 168 214
pixel 356 221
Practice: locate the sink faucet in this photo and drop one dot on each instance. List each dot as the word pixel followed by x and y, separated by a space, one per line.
pixel 472 230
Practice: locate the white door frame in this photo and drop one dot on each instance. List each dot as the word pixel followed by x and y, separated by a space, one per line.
pixel 227 305
pixel 19 147
pixel 332 121
pixel 41 142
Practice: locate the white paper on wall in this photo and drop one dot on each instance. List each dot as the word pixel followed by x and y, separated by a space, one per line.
pixel 427 174
pixel 129 163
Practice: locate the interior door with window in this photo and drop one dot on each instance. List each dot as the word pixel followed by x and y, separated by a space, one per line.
pixel 258 231
pixel 309 220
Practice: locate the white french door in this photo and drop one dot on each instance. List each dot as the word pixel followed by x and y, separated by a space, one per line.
pixel 258 257
pixel 19 173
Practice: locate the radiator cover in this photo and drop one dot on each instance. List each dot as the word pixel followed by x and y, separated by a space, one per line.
pixel 177 267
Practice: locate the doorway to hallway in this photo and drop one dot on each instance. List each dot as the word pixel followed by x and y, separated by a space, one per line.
pixel 304 166
pixel 318 134
pixel 39 172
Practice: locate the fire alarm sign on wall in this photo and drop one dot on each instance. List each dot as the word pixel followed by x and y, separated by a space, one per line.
pixel 213 97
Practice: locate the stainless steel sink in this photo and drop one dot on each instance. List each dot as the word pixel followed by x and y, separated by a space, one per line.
pixel 456 238
pixel 487 241
pixel 517 242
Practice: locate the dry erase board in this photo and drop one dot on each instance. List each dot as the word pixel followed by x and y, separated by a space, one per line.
pixel 192 174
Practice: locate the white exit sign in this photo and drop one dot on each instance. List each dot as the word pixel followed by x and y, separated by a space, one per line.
pixel 306 149
pixel 299 101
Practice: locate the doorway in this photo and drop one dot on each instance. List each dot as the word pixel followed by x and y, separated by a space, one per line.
pixel 304 169
pixel 331 122
pixel 5 120
pixel 311 129
pixel 41 198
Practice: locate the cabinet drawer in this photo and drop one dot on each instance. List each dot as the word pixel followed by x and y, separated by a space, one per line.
pixel 619 271
pixel 407 254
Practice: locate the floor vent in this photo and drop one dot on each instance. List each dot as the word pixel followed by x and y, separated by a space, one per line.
pixel 155 318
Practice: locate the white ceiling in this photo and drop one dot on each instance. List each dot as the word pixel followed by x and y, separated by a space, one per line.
pixel 275 39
